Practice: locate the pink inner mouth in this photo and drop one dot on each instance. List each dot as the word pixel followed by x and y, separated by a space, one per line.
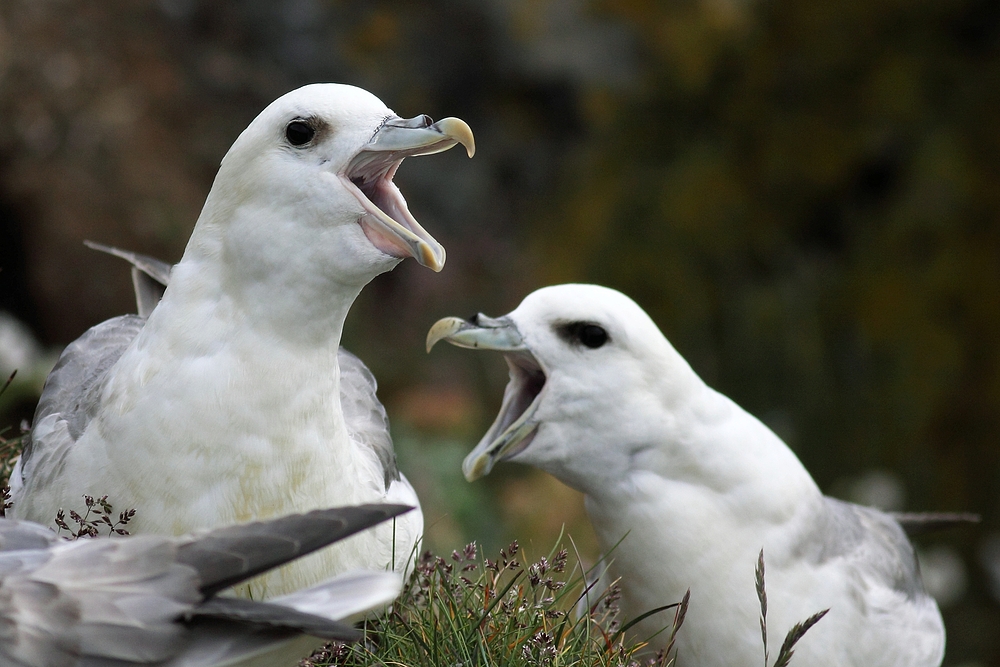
pixel 369 177
pixel 387 243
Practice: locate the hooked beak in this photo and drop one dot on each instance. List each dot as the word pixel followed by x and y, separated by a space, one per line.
pixel 515 426
pixel 387 222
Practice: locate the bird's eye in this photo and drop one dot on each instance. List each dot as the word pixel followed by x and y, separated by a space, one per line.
pixel 586 333
pixel 592 335
pixel 299 132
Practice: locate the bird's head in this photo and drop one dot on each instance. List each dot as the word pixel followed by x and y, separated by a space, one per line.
pixel 585 363
pixel 310 182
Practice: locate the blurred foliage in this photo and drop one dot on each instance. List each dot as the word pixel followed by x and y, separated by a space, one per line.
pixel 804 195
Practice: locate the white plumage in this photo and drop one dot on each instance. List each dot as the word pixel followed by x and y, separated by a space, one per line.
pixel 693 487
pixel 225 405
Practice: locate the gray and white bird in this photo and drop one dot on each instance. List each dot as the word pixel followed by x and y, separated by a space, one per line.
pixel 151 600
pixel 690 487
pixel 226 404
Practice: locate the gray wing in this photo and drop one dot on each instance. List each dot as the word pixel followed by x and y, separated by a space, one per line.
pixel 149 276
pixel 24 546
pixel 229 555
pixel 72 391
pixel 112 600
pixel 21 535
pixel 366 419
pixel 148 600
pixel 73 388
pixel 265 615
pixel 870 540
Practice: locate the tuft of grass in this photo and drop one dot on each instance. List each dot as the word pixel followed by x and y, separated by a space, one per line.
pixel 98 513
pixel 468 610
pixel 797 631
pixel 97 517
pixel 10 449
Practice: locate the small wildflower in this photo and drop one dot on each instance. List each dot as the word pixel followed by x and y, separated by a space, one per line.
pixel 559 560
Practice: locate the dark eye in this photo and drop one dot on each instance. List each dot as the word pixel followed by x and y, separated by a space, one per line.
pixel 592 335
pixel 298 133
pixel 585 333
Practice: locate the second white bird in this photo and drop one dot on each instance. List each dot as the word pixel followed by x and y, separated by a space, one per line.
pixel 690 487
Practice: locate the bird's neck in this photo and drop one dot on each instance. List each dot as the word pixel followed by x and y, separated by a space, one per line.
pixel 282 287
pixel 711 450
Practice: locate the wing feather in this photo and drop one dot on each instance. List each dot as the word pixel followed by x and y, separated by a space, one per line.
pixel 872 541
pixel 148 599
pixel 229 555
pixel 149 276
pixel 365 416
pixel 270 615
pixel 72 392
pixel 21 535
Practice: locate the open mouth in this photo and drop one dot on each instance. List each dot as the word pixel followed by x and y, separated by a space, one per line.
pixel 520 401
pixel 516 424
pixel 387 222
pixel 389 225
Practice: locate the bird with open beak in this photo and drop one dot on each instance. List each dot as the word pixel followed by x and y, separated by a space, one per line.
pixel 225 404
pixel 687 488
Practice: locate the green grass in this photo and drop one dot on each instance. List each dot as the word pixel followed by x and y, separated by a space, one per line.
pixel 796 632
pixel 469 610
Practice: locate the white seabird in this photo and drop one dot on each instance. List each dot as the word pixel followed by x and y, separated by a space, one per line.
pixel 225 405
pixel 151 600
pixel 693 487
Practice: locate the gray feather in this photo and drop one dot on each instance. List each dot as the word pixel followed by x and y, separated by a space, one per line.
pixel 149 276
pixel 156 269
pixel 146 600
pixel 148 292
pixel 21 535
pixel 227 556
pixel 921 523
pixel 112 598
pixel 872 540
pixel 366 419
pixel 270 615
pixel 72 391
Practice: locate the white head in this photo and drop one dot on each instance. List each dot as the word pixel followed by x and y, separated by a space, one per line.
pixel 585 363
pixel 304 199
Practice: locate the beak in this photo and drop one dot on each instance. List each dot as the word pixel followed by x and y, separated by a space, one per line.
pixel 387 222
pixel 515 426
pixel 421 136
pixel 479 332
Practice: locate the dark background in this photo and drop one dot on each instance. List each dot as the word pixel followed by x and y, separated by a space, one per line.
pixel 803 194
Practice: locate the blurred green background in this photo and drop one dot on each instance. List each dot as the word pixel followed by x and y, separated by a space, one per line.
pixel 803 194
